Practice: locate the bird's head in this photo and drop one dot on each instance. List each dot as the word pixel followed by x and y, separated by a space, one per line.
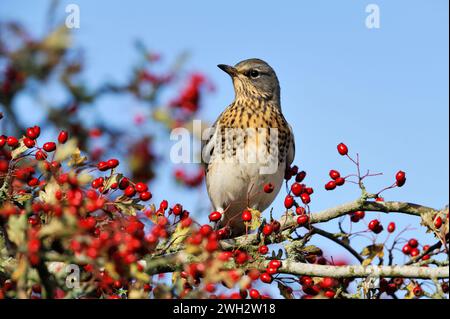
pixel 253 78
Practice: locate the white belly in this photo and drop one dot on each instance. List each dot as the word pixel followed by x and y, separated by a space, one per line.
pixel 234 187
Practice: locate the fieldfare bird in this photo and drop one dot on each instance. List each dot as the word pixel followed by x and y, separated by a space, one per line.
pixel 249 146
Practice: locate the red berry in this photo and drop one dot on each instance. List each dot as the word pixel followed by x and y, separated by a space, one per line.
pixel 406 249
pixel 360 214
pixel 33 182
pixel 2 140
pixel 113 163
pixel 288 201
pixel 124 182
pixel 276 225
pixel 297 189
pixel 254 294
pixel 327 283
pixel 40 155
pixel 246 216
pixel 62 137
pixel 223 233
pixel 129 191
pixel 306 199
pixel 379 229
pixel 391 227
pixel 36 288
pixel 330 185
pixel 374 224
pixel 12 141
pixel 334 174
pixel 215 216
pixel 145 196
pixel 49 146
pixel 29 142
pixel 205 230
pixel 438 222
pixel 96 183
pixel 267 229
pixel 274 263
pixel 330 294
pixel 212 245
pixel 340 181
pixel 141 187
pixel 263 249
pixel 271 271
pixel 400 178
pixel 300 210
pixel 102 166
pixel 268 188
pixel 294 170
pixel 306 281
pixel 417 291
pixel 413 243
pixel 30 133
pixel 37 131
pixel 177 209
pixel 415 252
pixel 266 278
pixel 300 176
pixel 342 149
pixel 302 220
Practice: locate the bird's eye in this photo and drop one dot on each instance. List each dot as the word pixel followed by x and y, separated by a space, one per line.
pixel 253 74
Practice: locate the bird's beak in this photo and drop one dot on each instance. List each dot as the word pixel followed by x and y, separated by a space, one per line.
pixel 228 69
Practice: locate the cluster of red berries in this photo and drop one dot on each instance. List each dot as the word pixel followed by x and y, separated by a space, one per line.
pixel 337 180
pixel 271 269
pixel 375 226
pixel 298 189
pixel 357 216
pixel 327 286
pixel 120 240
pixel 161 228
pixel 29 140
pixel 391 286
pixel 129 188
pixel 190 96
pixel 411 248
pixel 269 228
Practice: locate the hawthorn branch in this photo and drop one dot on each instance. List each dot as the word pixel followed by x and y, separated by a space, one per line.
pixel 176 262
pixel 357 271
pixel 289 222
pixel 338 241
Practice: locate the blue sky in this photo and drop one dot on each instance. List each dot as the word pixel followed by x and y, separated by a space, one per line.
pixel 384 92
